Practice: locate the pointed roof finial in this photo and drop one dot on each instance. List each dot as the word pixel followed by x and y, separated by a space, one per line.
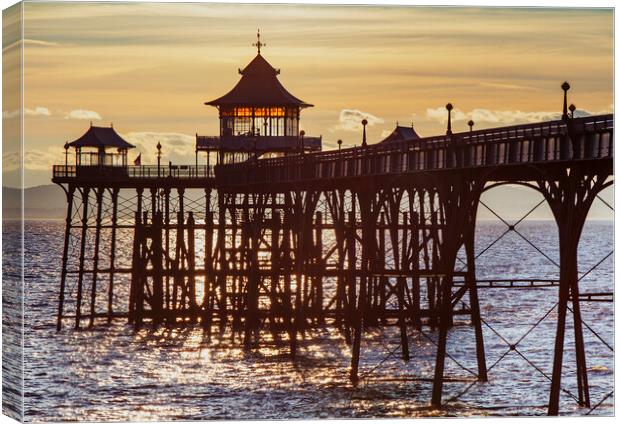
pixel 258 43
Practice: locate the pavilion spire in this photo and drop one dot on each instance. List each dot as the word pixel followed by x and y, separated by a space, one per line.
pixel 258 43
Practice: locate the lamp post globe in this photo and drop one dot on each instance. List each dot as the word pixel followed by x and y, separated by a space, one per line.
pixel 158 157
pixel 364 123
pixel 449 108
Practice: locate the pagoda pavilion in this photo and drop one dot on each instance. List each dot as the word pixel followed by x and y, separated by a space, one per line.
pixel 97 149
pixel 257 117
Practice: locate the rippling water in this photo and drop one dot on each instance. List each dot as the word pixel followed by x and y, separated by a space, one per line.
pixel 114 373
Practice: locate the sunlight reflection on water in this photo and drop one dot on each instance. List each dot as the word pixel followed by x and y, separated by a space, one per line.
pixel 114 373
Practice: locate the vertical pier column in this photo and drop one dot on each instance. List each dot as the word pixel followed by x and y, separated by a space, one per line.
pixel 369 251
pixel 351 283
pixel 65 256
pixel 414 264
pixel 475 304
pixel 570 196
pixel 93 287
pixel 135 261
pixel 275 306
pixel 319 268
pixel 252 234
pixel 114 198
pixel 166 224
pixel 157 302
pixel 223 261
pixel 209 286
pixel 78 305
pixel 300 229
pixel 191 267
pixel 458 197
pixel 448 256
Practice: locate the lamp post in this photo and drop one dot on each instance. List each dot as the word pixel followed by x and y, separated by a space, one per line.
pixel 158 158
pixel 565 88
pixel 449 109
pixel 471 125
pixel 301 135
pixel 339 143
pixel 572 110
pixel 66 155
pixel 364 123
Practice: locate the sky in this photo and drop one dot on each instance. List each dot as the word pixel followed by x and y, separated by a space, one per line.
pixel 148 68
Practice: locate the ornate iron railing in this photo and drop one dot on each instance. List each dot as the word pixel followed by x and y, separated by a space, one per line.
pixel 250 143
pixel 116 173
pixel 591 138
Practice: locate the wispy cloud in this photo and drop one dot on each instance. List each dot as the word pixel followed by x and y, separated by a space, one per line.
pixel 30 42
pixel 83 114
pixel 33 159
pixel 37 111
pixel 501 116
pixel 175 146
pixel 9 114
pixel 179 148
pixel 503 86
pixel 351 120
pixel 385 133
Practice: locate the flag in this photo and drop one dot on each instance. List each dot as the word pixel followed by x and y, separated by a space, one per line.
pixel 138 160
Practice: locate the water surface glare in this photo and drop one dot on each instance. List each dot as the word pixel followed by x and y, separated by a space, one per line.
pixel 113 373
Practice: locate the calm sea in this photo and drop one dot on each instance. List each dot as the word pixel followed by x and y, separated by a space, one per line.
pixel 114 373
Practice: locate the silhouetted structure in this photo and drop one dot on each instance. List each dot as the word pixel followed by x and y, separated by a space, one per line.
pixel 299 241
pixel 257 116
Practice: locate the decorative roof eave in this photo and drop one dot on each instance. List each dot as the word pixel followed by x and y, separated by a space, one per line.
pixel 218 105
pixel 401 134
pixel 101 137
pixel 258 86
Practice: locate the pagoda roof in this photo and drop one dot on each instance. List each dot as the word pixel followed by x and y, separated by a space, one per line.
pixel 258 86
pixel 401 134
pixel 101 137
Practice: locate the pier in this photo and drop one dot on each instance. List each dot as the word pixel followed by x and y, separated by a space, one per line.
pixel 351 238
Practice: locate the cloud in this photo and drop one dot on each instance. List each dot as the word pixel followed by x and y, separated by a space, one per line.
pixel 351 120
pixel 8 114
pixel 37 111
pixel 501 117
pixel 83 114
pixel 502 86
pixel 176 147
pixel 30 42
pixel 33 159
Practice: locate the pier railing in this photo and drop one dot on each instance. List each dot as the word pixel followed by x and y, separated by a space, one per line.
pixel 579 138
pixel 257 143
pixel 123 173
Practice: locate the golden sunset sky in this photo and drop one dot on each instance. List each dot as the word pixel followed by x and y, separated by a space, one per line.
pixel 148 68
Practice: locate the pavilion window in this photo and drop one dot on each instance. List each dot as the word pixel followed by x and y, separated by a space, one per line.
pixel 242 126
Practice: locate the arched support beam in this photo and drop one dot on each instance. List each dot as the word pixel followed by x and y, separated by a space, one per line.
pixel 459 197
pixel 570 195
